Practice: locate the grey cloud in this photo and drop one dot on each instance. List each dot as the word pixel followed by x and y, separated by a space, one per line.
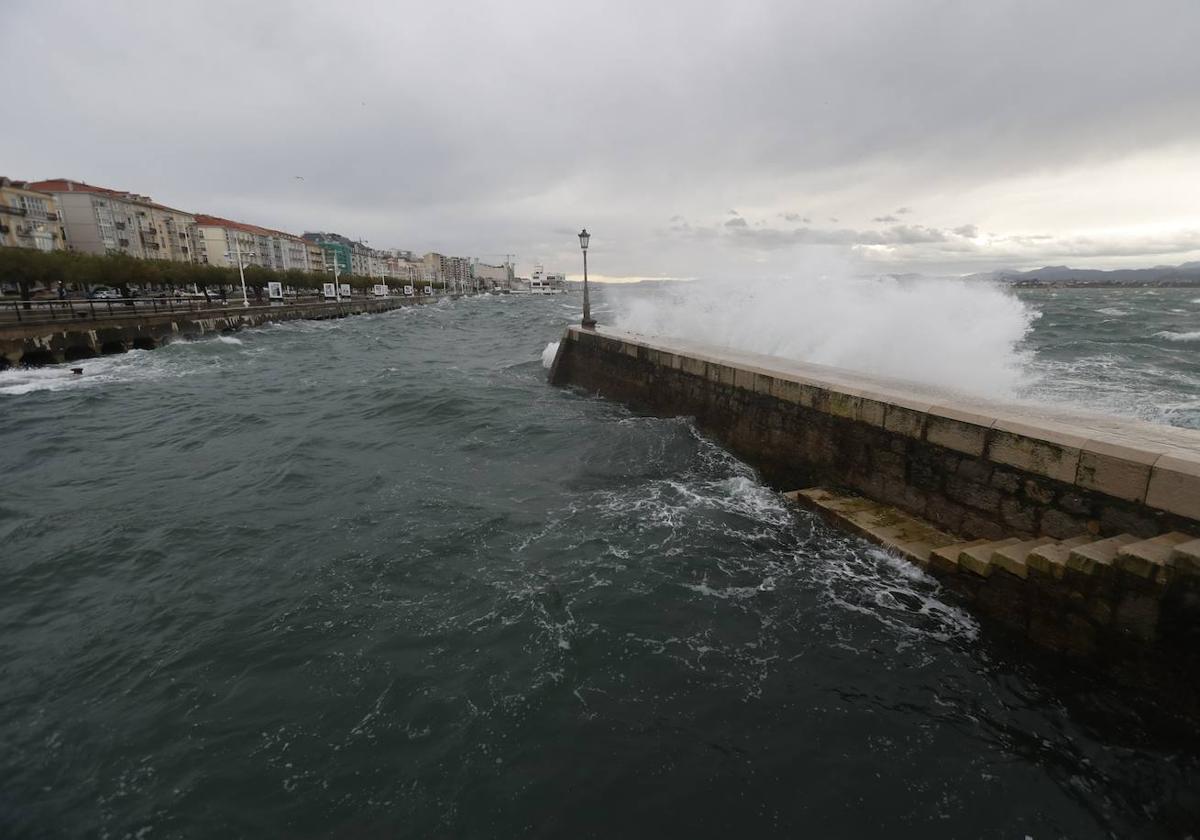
pixel 885 219
pixel 771 238
pixel 536 123
pixel 736 222
pixel 900 211
pixel 969 231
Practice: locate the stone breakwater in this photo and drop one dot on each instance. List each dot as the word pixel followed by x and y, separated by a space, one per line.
pixel 981 476
pixel 66 341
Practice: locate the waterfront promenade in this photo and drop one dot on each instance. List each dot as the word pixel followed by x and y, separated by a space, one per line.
pixel 52 332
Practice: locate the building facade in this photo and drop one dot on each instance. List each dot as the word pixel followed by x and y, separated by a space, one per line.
pixel 98 220
pixel 492 276
pixel 453 272
pixel 316 255
pixel 221 240
pixel 29 218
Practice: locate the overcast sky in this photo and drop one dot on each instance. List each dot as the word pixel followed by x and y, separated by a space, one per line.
pixel 693 139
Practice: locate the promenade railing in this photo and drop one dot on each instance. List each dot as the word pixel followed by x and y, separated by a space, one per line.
pixel 31 312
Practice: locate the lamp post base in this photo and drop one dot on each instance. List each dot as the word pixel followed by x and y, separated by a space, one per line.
pixel 588 323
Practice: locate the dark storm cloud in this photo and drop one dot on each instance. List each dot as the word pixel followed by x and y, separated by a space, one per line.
pixel 479 127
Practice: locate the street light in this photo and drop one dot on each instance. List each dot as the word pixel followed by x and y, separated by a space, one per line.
pixel 337 287
pixel 241 267
pixel 588 322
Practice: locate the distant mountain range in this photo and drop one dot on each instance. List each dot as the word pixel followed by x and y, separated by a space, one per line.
pixel 1187 274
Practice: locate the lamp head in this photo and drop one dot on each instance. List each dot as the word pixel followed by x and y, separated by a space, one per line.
pixel 584 236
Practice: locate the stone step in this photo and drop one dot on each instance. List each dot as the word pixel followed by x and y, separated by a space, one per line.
pixel 944 560
pixel 881 524
pixel 1012 558
pixel 1097 557
pixel 1147 558
pixel 1051 559
pixel 1186 557
pixel 978 559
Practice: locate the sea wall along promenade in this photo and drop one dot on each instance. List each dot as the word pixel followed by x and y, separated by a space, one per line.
pixel 115 329
pixel 976 469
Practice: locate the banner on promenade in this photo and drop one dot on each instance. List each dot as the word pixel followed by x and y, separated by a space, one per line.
pixel 408 290
pixel 330 291
pixel 275 290
pixel 345 290
pixel 381 290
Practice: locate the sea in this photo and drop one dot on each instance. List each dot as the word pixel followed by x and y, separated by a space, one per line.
pixel 374 577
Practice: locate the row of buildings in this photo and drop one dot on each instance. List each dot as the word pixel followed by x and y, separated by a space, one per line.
pixel 61 214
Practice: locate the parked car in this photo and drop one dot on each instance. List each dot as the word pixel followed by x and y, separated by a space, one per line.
pixel 105 293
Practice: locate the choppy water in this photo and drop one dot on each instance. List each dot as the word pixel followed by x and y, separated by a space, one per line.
pixel 374 577
pixel 1132 351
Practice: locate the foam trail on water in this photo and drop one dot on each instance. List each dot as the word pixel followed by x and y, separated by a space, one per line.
pixel 548 355
pixel 945 332
pixel 1174 336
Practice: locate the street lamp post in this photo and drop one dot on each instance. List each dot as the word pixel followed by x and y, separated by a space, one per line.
pixel 588 322
pixel 337 288
pixel 237 244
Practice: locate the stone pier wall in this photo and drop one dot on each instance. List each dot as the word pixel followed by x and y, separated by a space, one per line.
pixel 975 468
pixel 985 476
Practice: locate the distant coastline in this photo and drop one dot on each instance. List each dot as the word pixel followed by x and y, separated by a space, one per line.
pixel 1104 284
pixel 1061 276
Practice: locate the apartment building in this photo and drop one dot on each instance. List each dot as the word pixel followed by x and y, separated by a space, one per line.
pixel 316 255
pixel 340 251
pixel 492 276
pixel 29 218
pixel 455 272
pixel 220 241
pixel 98 220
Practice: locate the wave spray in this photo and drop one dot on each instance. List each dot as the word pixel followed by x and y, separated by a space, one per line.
pixel 946 332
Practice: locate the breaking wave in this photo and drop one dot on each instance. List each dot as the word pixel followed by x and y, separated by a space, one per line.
pixel 949 333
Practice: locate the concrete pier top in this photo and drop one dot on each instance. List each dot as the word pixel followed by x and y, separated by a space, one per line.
pixel 1145 463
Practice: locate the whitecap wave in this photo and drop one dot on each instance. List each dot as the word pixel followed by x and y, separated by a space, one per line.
pixel 1174 336
pixel 548 355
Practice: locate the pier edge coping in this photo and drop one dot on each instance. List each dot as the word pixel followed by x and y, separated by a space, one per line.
pixel 1132 460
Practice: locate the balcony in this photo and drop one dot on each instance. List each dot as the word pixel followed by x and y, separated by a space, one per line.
pixel 12 211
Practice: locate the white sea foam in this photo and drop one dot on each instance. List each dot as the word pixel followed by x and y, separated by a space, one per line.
pixel 548 354
pixel 1112 310
pixel 944 332
pixel 228 339
pixel 1174 336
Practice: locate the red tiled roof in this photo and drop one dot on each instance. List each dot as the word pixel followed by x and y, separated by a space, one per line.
pixel 66 185
pixel 204 220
